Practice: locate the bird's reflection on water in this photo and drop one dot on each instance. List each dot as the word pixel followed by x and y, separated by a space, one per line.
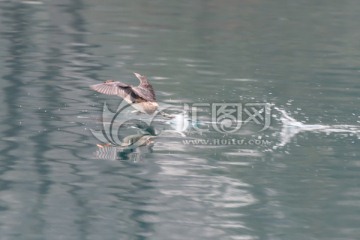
pixel 137 137
pixel 132 147
pixel 132 152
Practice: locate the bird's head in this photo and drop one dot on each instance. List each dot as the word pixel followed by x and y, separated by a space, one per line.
pixel 142 78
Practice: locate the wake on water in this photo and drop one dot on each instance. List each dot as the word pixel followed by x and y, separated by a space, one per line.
pixel 291 127
pixel 286 129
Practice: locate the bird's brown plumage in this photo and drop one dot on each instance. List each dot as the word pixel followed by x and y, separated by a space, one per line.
pixel 142 97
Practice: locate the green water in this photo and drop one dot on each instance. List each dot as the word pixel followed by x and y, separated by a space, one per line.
pixel 302 57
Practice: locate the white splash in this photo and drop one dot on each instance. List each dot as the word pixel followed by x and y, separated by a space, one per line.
pixel 291 127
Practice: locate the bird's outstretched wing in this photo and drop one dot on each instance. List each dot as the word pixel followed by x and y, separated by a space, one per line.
pixel 113 88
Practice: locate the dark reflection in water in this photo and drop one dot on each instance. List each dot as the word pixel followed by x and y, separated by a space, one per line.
pixel 300 56
pixel 33 53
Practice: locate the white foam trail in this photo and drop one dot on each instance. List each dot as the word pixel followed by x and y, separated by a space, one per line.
pixel 291 127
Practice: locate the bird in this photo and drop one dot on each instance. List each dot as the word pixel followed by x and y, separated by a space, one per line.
pixel 141 97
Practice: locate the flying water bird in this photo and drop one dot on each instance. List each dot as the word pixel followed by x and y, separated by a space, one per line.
pixel 141 97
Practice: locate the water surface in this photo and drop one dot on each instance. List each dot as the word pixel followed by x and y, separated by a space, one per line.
pixel 300 57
